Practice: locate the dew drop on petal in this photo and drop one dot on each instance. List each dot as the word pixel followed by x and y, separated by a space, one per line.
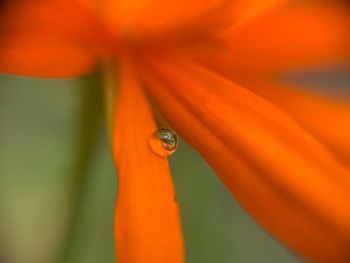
pixel 163 142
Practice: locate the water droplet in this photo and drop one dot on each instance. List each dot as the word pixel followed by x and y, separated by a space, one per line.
pixel 163 142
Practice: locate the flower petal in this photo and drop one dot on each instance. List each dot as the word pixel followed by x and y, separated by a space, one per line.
pixel 147 226
pixel 327 120
pixel 50 38
pixel 248 10
pixel 300 35
pixel 280 174
pixel 140 18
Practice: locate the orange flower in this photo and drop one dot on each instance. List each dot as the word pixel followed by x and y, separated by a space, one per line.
pixel 208 66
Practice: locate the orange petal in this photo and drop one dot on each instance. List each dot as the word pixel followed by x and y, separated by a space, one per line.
pixel 248 10
pixel 280 174
pixel 298 36
pixel 147 226
pixel 137 18
pixel 50 38
pixel 142 18
pixel 327 120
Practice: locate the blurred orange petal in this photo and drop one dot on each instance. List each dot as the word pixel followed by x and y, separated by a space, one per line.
pixel 248 10
pixel 279 173
pixel 156 15
pixel 147 226
pixel 298 36
pixel 149 17
pixel 50 38
pixel 327 120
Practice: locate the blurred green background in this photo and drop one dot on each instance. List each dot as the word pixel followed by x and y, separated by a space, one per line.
pixel 41 124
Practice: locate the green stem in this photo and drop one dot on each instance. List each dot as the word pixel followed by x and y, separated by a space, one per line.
pixel 86 141
pixel 2 239
pixel 3 215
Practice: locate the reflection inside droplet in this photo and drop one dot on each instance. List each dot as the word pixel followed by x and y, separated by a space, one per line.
pixel 163 142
